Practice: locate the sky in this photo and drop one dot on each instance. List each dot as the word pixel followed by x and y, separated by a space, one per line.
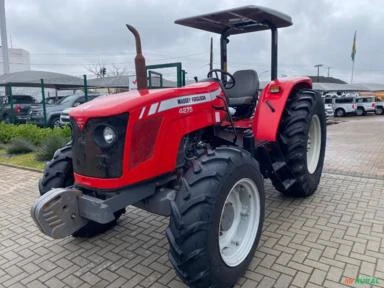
pixel 77 36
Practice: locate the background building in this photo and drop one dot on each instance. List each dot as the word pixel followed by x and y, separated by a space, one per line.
pixel 19 60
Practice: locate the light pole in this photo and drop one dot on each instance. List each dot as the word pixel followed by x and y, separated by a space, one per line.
pixel 328 68
pixel 318 71
pixel 4 42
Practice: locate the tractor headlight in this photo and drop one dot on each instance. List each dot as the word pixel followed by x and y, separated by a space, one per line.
pixel 105 135
pixel 109 135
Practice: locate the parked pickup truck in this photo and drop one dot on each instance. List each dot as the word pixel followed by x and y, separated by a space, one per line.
pixel 21 107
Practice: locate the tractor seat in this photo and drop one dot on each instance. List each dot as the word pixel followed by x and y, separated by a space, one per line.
pixel 245 90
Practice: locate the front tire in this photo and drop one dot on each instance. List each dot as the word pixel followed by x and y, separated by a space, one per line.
pixel 216 218
pixel 54 122
pixel 379 111
pixel 339 112
pixel 59 173
pixel 360 111
pixel 302 140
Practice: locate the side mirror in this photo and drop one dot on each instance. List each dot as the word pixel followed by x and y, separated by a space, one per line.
pixel 76 104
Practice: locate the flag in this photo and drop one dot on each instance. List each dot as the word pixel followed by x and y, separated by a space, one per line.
pixel 353 48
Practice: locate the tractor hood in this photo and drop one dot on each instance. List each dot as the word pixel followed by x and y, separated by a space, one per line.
pixel 115 104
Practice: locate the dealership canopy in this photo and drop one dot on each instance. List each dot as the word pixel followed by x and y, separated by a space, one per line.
pixel 33 79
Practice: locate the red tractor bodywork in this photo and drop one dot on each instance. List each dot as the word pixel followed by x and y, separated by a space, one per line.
pixel 159 120
pixel 271 106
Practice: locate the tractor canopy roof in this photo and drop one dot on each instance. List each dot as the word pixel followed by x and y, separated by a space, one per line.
pixel 238 20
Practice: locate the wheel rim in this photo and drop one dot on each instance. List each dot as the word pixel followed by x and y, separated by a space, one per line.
pixel 313 144
pixel 239 222
pixel 359 112
pixel 340 113
pixel 56 123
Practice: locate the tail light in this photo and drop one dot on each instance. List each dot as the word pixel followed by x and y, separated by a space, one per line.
pixel 353 106
pixel 18 108
pixel 373 104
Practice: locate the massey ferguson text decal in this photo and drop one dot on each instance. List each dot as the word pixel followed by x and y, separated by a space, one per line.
pixel 179 102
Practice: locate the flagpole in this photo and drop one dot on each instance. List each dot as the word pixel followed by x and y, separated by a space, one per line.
pixel 353 54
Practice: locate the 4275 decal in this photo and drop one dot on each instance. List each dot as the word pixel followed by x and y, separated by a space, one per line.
pixel 184 110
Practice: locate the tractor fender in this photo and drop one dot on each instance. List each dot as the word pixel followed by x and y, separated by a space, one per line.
pixel 271 105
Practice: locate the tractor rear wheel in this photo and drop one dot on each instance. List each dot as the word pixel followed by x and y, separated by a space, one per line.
pixel 59 173
pixel 216 218
pixel 302 139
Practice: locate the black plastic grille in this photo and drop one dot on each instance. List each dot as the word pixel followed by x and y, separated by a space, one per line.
pixel 92 158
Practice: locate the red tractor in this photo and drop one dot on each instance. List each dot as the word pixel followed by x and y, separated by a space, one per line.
pixel 198 154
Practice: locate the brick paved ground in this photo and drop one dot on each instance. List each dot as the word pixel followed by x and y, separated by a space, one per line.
pixel 356 147
pixel 313 242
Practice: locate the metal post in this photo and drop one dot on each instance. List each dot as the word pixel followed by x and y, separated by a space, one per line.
pixel 274 53
pixel 318 71
pixel 211 56
pixel 4 42
pixel 223 52
pixel 183 78
pixel 43 98
pixel 179 75
pixel 85 88
pixel 9 92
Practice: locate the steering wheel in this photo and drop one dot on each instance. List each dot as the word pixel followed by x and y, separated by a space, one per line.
pixel 228 84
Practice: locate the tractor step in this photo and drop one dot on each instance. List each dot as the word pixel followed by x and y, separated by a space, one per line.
pixel 277 166
pixel 288 183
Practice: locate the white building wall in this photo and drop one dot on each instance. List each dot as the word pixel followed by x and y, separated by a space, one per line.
pixel 19 60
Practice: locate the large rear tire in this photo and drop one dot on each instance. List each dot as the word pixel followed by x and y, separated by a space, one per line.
pixel 59 173
pixel 216 218
pixel 302 140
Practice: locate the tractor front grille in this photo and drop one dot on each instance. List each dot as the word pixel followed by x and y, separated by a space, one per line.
pixel 92 159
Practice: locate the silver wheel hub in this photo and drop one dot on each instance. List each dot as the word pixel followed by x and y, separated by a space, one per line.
pixel 313 144
pixel 239 222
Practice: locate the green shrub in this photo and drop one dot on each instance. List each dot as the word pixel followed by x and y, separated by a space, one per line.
pixel 20 145
pixel 31 133
pixel 49 146
pixel 3 146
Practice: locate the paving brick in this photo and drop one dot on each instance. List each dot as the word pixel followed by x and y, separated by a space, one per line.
pixel 318 277
pixel 334 274
pixel 300 279
pixel 284 281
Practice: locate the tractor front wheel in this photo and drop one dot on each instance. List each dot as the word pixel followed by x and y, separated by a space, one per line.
pixel 216 218
pixel 59 173
pixel 302 139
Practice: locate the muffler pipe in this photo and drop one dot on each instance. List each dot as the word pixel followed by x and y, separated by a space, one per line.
pixel 141 72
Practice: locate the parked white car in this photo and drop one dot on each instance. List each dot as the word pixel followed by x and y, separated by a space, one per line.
pixel 379 106
pixel 365 105
pixel 344 105
pixel 64 117
pixel 328 105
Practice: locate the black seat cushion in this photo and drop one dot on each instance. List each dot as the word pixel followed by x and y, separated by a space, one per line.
pixel 245 90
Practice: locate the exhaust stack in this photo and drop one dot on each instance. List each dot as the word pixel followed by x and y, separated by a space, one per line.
pixel 141 73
